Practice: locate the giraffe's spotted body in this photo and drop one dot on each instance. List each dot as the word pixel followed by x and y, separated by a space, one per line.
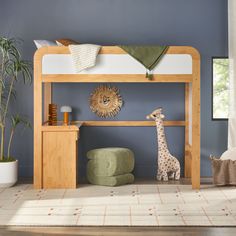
pixel 168 165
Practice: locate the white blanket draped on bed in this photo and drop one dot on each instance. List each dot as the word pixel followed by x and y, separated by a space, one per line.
pixel 84 56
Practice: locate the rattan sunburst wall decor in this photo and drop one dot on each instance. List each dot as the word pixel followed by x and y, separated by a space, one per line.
pixel 106 101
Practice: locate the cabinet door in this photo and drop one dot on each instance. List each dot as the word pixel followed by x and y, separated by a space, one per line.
pixel 59 159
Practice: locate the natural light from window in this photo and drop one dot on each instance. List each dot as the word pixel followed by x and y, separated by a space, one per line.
pixel 220 88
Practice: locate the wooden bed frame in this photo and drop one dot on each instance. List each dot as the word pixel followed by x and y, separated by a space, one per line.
pixel 43 97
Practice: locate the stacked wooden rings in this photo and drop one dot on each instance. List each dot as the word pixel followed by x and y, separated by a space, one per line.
pixel 52 114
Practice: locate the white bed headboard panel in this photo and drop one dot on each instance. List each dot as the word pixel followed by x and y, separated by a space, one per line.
pixel 117 64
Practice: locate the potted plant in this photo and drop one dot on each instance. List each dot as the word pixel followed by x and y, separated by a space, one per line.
pixel 12 69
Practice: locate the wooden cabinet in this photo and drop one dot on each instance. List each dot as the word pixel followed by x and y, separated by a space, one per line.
pixel 60 158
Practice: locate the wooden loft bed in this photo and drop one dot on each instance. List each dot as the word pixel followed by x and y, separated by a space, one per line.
pixel 46 73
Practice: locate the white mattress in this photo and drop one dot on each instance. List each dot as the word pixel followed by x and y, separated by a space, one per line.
pixel 117 64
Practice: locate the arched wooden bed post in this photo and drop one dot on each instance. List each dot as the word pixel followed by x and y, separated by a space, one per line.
pixel 37 121
pixel 43 96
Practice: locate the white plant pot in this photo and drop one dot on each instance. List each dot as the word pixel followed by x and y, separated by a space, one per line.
pixel 8 173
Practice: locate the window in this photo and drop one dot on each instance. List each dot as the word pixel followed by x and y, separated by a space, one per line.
pixel 220 88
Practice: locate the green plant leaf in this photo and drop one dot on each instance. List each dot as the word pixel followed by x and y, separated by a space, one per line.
pixel 12 69
pixel 17 119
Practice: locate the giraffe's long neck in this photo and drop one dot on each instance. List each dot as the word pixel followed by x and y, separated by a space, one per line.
pixel 161 138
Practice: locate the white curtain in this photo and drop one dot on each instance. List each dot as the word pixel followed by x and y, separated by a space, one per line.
pixel 232 73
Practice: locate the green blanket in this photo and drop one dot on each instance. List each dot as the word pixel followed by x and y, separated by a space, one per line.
pixel 110 161
pixel 110 180
pixel 148 56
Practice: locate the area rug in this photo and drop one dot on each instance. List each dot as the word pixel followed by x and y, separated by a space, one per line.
pixel 130 205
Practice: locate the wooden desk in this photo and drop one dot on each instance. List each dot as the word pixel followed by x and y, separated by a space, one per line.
pixel 60 148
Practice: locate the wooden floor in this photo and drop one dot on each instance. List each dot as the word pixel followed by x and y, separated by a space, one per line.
pixel 121 231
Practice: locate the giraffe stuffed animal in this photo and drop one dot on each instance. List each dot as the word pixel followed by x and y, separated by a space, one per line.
pixel 168 165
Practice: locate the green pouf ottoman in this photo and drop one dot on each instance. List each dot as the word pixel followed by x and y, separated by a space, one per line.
pixel 110 166
pixel 111 180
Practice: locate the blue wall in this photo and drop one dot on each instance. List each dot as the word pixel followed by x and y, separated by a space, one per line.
pixel 198 23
